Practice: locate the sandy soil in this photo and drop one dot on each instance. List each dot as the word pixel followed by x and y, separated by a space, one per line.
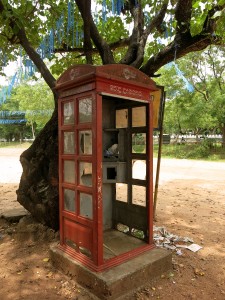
pixel 190 204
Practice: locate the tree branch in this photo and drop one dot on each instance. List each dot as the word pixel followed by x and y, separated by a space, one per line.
pixel 186 45
pixel 155 23
pixel 183 42
pixel 217 78
pixel 115 45
pixel 183 12
pixel 157 20
pixel 135 52
pixel 100 43
pixel 204 94
pixel 20 33
pixel 210 24
pixel 35 57
pixel 85 9
pixel 138 18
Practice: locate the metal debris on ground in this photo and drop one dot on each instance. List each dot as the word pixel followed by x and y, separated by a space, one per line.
pixel 165 239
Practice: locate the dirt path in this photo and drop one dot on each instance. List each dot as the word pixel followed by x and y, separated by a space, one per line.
pixel 191 204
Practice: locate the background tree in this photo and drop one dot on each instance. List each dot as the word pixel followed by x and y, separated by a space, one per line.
pixel 163 30
pixel 185 111
pixel 12 123
pixel 36 100
pixel 208 77
pixel 202 110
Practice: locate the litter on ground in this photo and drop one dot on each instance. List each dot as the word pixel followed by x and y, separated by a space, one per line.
pixel 165 239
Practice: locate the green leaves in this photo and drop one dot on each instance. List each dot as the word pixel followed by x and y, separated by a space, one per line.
pixel 39 17
pixel 216 15
pixel 37 100
pixel 203 109
pixel 199 14
pixel 221 2
pixel 113 30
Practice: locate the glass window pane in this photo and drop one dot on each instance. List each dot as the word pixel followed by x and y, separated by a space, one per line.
pixel 86 207
pixel 139 116
pixel 69 171
pixel 139 143
pixel 69 200
pixel 69 143
pixel 121 192
pixel 85 142
pixel 85 173
pixel 85 110
pixel 139 169
pixel 122 118
pixel 139 195
pixel 68 113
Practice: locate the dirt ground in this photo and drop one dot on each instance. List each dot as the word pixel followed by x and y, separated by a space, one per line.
pixel 191 203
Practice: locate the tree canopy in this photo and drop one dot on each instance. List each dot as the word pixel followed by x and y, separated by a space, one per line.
pixel 203 109
pixel 36 100
pixel 144 34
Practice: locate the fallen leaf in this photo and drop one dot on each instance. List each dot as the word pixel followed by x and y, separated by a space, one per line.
pixel 196 271
pixel 170 275
pixel 49 274
pixel 199 272
pixel 46 259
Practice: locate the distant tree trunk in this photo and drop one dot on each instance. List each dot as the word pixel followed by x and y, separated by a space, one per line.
pixel 17 137
pixel 38 188
pixel 33 130
pixel 223 135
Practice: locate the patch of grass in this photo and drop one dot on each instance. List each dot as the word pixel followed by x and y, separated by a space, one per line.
pixel 15 145
pixel 203 150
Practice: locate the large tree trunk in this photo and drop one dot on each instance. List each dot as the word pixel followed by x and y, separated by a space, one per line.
pixel 38 188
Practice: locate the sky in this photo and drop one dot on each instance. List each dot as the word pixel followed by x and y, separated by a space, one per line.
pixel 9 71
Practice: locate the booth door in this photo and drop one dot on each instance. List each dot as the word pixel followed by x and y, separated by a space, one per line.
pixel 76 167
pixel 131 204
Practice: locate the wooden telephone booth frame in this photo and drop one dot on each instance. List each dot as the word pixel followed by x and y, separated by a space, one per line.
pixel 86 109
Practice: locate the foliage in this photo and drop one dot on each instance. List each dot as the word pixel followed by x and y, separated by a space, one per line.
pixel 33 100
pixel 108 34
pixel 14 131
pixel 204 109
pixel 37 101
pixel 203 150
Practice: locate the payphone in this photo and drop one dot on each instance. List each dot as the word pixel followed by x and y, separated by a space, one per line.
pixel 105 164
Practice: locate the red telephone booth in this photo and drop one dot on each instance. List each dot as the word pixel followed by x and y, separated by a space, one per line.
pixel 105 164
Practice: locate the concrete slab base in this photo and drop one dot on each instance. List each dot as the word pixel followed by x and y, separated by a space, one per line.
pixel 117 281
